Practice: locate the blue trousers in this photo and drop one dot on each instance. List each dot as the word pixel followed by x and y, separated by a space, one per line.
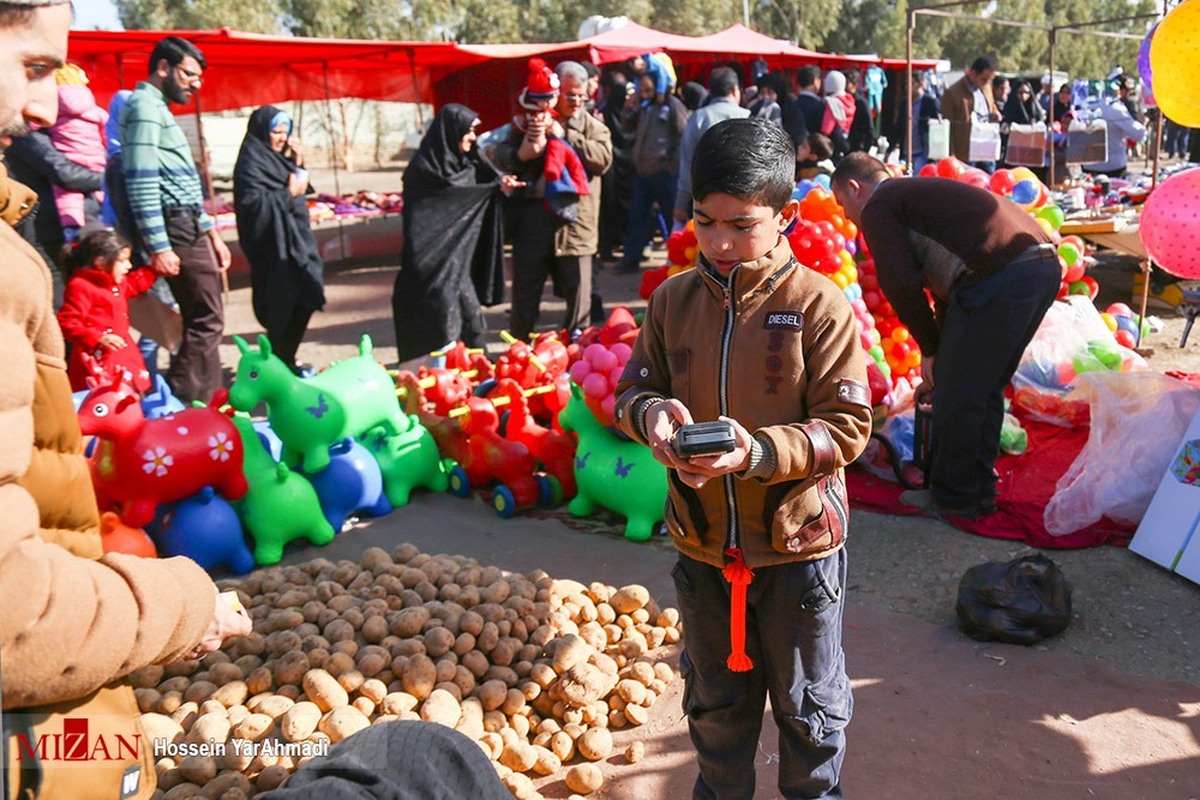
pixel 647 190
pixel 794 637
pixel 986 327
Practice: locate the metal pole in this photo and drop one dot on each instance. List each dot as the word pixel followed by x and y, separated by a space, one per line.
pixel 1053 96
pixel 746 13
pixel 337 183
pixel 908 90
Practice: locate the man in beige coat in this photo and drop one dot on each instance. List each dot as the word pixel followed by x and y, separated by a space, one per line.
pixel 75 621
pixel 961 105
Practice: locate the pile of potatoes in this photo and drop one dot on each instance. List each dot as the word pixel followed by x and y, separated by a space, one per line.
pixel 537 671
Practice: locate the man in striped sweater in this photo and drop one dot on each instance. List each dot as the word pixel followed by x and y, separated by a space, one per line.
pixel 167 205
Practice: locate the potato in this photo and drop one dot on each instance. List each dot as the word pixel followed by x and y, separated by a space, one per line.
pixel 584 778
pixel 350 680
pixel 228 785
pixel 340 723
pixel 637 715
pixel 260 680
pixel 198 769
pixel 254 727
pixel 476 662
pixel 441 707
pixel 199 691
pixel 519 757
pixel 635 752
pixel 274 706
pixel 375 629
pixel 290 668
pixel 631 691
pixel 232 693
pixel 595 744
pixel 168 703
pixel 299 721
pixel 147 699
pixel 520 786
pixel 571 650
pixel 409 622
pixel 209 727
pixel 270 778
pixel 398 703
pixel 493 744
pixel 158 727
pixel 146 677
pixel 373 689
pixel 324 690
pixel 547 762
pixel 562 745
pixel 420 676
pixel 583 684
pixel 492 694
pixel 186 714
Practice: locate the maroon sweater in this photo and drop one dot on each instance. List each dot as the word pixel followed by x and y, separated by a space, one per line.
pixel 924 232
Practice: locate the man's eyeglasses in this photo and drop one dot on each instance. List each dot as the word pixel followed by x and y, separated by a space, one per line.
pixel 190 76
pixel 575 98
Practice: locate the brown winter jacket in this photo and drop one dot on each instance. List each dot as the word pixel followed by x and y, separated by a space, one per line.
pixel 71 624
pixel 781 355
pixel 958 106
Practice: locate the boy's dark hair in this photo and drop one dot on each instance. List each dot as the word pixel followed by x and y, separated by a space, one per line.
pixel 174 50
pixel 100 244
pixel 807 76
pixel 852 76
pixel 820 146
pixel 722 82
pixel 859 167
pixel 748 158
pixel 982 64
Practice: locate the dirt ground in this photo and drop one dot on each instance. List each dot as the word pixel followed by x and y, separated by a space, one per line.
pixel 1110 708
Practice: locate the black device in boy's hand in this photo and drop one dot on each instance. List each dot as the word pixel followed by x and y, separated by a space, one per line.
pixel 704 439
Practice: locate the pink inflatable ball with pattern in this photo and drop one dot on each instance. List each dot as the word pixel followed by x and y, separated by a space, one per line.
pixel 1170 224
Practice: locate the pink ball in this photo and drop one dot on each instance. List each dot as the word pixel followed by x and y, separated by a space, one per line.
pixel 595 385
pixel 604 361
pixel 1170 225
pixel 579 371
pixel 592 349
pixel 615 375
pixel 609 406
pixel 1119 310
pixel 622 351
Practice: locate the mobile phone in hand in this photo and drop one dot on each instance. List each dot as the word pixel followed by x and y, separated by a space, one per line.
pixel 704 439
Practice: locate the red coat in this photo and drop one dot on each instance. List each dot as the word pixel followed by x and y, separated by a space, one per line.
pixel 94 305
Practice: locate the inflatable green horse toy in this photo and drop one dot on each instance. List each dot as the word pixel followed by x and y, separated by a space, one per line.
pixel 348 399
pixel 616 473
pixel 280 505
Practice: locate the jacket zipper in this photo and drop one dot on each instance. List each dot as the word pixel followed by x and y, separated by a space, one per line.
pixel 731 537
pixel 836 502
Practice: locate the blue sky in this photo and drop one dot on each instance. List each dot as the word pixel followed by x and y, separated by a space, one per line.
pixel 92 14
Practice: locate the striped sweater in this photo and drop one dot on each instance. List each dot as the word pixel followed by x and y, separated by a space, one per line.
pixel 159 170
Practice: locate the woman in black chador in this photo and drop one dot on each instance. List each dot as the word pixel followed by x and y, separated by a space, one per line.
pixel 286 273
pixel 452 260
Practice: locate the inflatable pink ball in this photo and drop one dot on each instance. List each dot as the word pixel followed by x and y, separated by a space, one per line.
pixel 579 371
pixel 1170 225
pixel 595 385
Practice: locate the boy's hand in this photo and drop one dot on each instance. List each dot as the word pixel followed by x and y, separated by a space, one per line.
pixel 700 469
pixel 661 422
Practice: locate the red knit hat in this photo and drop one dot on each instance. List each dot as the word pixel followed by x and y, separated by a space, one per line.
pixel 542 86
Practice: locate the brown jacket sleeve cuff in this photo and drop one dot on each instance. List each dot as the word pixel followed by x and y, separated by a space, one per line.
pixel 179 582
pixel 763 461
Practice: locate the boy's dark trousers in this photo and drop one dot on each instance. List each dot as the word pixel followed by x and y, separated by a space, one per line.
pixel 196 369
pixel 794 637
pixel 986 328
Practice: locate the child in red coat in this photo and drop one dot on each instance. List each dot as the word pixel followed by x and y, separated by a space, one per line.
pixel 95 312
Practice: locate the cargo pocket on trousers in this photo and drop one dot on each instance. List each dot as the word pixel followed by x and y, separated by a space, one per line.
pixel 826 705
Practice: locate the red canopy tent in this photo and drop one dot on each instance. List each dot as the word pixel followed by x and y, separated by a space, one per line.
pixel 247 69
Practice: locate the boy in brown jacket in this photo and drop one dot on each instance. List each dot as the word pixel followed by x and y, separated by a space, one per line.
pixel 755 339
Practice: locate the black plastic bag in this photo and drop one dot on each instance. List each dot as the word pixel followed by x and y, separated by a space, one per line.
pixel 1020 602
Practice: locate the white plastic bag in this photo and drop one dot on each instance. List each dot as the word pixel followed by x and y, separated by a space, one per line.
pixel 939 139
pixel 1137 421
pixel 985 141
